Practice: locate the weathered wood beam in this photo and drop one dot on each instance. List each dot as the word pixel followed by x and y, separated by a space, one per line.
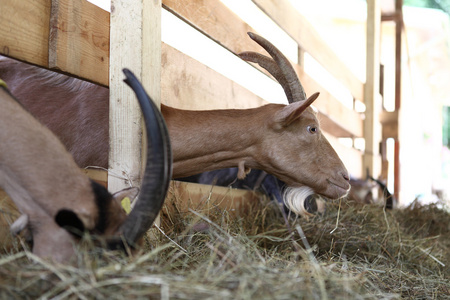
pixel 372 130
pixel 25 27
pixel 183 196
pixel 135 43
pixel 79 40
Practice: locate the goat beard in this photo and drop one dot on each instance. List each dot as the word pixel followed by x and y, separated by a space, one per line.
pixel 303 201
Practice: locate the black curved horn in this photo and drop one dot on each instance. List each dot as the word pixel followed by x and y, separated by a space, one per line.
pixel 158 168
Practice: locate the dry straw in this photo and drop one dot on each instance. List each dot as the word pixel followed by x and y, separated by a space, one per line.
pixel 353 251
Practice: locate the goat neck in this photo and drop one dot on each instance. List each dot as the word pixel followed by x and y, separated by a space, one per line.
pixel 214 139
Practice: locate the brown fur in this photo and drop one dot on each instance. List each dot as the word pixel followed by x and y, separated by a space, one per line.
pixel 259 138
pixel 32 159
pixel 67 106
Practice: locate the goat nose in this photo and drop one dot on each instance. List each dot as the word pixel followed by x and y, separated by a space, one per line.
pixel 345 177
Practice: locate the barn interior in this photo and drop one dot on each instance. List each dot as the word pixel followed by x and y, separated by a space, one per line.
pixel 382 68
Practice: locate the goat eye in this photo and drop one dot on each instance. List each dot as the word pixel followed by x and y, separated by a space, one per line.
pixel 312 129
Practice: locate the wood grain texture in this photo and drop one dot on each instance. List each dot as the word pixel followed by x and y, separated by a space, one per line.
pixel 216 21
pixel 24 27
pixel 79 40
pixel 131 47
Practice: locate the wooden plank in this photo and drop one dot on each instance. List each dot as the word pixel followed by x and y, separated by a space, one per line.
pixel 296 25
pixel 25 26
pixel 207 199
pixel 398 90
pixel 188 84
pixel 336 118
pixel 351 157
pixel 135 43
pixel 216 21
pixel 79 40
pixel 372 130
pixel 197 196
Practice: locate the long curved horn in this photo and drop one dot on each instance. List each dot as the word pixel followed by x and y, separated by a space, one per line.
pixel 158 168
pixel 271 66
pixel 284 73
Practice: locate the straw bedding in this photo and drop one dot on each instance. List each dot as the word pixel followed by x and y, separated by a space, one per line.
pixel 353 251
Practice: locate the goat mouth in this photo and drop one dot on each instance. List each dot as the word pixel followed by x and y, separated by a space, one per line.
pixel 344 190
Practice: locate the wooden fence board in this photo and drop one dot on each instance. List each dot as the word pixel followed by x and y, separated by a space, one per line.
pixel 339 120
pixel 25 26
pixel 79 40
pixel 372 127
pixel 288 18
pixel 216 21
pixel 207 199
pixel 351 157
pixel 188 84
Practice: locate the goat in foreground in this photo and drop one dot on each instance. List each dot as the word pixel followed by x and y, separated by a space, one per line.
pixel 283 140
pixel 57 200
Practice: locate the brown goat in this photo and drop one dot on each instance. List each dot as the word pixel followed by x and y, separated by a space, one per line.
pixel 57 200
pixel 283 140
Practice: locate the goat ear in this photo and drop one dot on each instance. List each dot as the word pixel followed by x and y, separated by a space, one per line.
pixel 292 112
pixel 69 220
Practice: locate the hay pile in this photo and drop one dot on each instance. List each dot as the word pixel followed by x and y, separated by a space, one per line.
pixel 354 251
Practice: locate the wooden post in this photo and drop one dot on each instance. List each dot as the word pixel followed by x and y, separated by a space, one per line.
pixel 371 88
pixel 301 57
pixel 135 43
pixel 398 89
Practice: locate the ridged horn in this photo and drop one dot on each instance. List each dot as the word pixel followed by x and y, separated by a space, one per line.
pixel 278 66
pixel 158 167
